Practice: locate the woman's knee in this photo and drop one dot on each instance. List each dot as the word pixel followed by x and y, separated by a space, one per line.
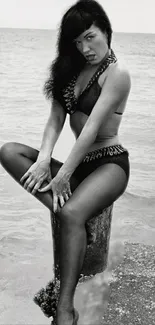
pixel 70 217
pixel 7 151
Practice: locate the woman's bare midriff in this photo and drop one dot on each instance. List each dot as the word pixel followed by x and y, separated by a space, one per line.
pixel 104 143
pixel 107 135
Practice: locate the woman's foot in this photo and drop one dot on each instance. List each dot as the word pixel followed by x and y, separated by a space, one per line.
pixel 67 318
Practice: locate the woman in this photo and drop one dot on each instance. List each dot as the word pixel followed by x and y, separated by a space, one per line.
pixel 88 82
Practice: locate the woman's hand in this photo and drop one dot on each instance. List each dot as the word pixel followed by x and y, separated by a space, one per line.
pixel 60 187
pixel 35 176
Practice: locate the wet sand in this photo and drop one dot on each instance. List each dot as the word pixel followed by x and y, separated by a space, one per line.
pixel 132 294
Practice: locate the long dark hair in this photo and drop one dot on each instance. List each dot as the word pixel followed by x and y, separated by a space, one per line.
pixel 69 60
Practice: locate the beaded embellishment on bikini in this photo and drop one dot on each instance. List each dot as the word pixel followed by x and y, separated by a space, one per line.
pixel 68 93
pixel 104 152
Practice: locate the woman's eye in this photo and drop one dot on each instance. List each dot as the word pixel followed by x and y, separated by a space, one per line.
pixel 89 38
pixel 77 43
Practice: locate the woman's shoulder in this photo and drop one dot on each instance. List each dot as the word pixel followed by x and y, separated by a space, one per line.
pixel 119 69
pixel 119 76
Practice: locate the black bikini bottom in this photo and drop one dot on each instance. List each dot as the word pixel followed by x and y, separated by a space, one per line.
pixel 115 154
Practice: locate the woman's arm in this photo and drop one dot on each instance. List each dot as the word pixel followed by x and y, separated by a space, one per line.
pixel 40 170
pixel 116 89
pixel 52 131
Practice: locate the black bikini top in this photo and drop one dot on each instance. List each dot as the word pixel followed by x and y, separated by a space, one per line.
pixel 88 97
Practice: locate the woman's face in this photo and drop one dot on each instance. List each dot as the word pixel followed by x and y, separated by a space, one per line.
pixel 92 44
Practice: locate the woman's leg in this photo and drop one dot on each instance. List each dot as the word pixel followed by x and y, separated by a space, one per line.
pixel 17 158
pixel 98 191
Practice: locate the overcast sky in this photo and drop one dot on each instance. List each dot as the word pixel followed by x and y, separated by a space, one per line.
pixel 125 15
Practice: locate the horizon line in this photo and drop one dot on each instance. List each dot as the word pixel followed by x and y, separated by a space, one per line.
pixel 55 29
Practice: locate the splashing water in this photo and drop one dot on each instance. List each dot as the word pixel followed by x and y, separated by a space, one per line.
pixel 94 293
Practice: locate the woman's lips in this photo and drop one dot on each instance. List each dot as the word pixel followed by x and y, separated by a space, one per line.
pixel 90 57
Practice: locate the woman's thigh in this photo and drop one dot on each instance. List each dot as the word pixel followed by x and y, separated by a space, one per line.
pixel 96 192
pixel 10 158
pixel 17 158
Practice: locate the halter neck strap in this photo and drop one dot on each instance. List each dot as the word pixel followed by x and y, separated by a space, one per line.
pixel 68 93
pixel 102 67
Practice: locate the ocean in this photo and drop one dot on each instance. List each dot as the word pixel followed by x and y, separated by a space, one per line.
pixel 25 237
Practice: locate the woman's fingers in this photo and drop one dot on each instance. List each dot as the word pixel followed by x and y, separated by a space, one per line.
pixel 32 183
pixel 55 203
pixel 28 181
pixel 46 188
pixel 25 176
pixel 36 187
pixel 66 196
pixel 63 198
pixel 62 201
pixel 69 191
pixel 30 186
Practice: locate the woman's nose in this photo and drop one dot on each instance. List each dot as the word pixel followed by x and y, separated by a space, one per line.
pixel 85 48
